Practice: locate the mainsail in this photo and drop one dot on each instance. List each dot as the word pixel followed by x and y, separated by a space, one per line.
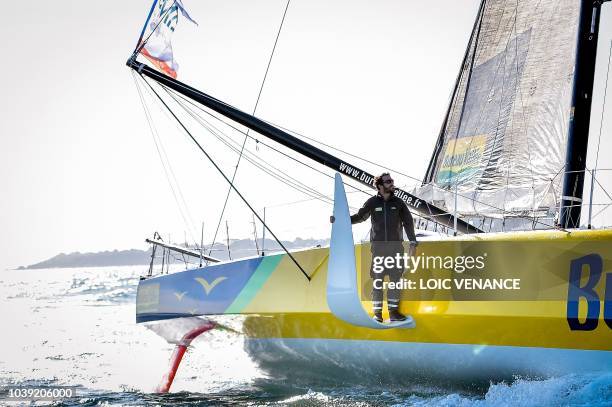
pixel 501 150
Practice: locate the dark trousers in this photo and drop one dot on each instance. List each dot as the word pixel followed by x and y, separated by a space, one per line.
pixel 393 274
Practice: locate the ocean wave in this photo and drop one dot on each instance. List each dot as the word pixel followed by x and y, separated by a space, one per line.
pixel 572 390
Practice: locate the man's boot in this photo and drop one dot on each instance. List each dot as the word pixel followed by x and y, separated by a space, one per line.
pixel 378 317
pixel 395 315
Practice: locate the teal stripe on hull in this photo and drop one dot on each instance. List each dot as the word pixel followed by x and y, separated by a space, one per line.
pixel 257 280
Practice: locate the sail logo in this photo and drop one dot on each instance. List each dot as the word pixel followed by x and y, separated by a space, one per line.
pixel 461 158
pixel 587 291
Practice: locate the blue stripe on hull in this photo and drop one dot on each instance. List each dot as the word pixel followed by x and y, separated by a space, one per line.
pixel 208 290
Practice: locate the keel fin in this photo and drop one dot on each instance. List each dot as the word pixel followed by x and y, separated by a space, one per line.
pixel 177 355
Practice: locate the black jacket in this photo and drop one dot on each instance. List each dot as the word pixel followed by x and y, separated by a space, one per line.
pixel 388 217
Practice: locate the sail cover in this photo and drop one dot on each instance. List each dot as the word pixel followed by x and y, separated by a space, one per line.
pixel 501 149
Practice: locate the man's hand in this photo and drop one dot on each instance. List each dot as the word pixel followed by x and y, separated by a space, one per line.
pixel 412 248
pixel 332 219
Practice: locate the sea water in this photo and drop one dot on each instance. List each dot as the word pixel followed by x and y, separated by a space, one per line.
pixel 76 327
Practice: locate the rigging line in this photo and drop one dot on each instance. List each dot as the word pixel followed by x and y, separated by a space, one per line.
pixel 229 190
pixel 240 131
pixel 227 179
pixel 220 119
pixel 502 211
pixel 171 176
pixel 276 174
pixel 507 212
pixel 601 211
pixel 343 151
pixel 272 174
pixel 463 84
pixel 464 73
pixel 271 55
pixel 603 110
pixel 140 46
pixel 295 184
pixel 162 153
pixel 259 141
pixel 431 167
pixel 280 205
pixel 467 88
pixel 287 179
pixel 168 171
pixel 602 187
pixel 248 135
pixel 489 30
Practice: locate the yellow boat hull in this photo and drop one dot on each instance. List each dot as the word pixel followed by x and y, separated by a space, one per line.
pixel 567 312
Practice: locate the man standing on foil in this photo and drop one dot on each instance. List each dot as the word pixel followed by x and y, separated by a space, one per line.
pixel 389 216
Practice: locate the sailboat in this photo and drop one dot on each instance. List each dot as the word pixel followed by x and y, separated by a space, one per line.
pixel 504 186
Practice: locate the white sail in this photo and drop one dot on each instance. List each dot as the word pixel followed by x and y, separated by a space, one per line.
pixel 503 144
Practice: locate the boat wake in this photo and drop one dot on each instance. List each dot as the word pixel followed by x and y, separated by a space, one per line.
pixel 569 390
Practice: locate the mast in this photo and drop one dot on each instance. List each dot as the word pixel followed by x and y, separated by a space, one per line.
pixel 580 114
pixel 322 157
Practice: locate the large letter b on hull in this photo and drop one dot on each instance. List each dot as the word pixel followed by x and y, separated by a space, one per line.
pixel 575 292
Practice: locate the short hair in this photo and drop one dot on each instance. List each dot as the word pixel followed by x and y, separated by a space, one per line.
pixel 378 180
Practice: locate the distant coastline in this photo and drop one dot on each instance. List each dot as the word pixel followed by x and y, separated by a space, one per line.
pixel 238 248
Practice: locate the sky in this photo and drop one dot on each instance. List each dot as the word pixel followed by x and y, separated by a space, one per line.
pixel 79 168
